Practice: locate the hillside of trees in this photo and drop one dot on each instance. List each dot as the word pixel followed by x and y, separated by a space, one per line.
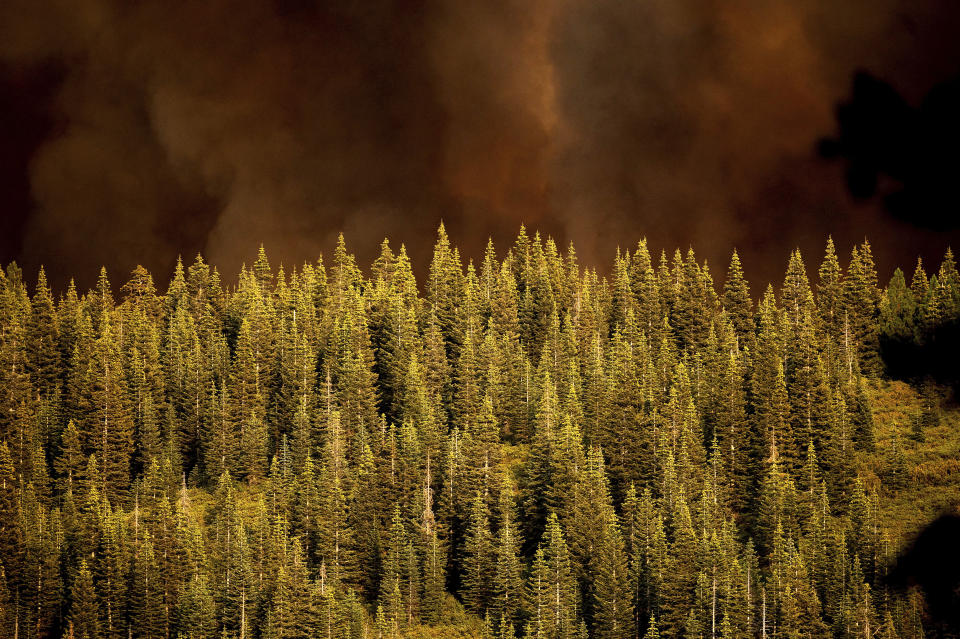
pixel 516 448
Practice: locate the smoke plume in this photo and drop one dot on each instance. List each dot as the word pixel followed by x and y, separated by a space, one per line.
pixel 181 127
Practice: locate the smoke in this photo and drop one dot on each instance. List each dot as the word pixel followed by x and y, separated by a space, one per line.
pixel 214 126
pixel 693 123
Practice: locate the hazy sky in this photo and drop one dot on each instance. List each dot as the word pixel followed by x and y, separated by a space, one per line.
pixel 134 131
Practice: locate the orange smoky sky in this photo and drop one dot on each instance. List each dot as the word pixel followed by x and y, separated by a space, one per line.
pixel 137 131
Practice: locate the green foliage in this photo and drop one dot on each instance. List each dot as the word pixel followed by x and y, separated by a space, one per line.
pixel 328 452
pixel 83 620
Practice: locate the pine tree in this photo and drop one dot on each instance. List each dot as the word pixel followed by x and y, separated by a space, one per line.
pixel 478 557
pixel 196 611
pixel 394 571
pixel 506 595
pixel 736 298
pixel 652 631
pixel 433 579
pixel 443 287
pixel 552 597
pixel 247 406
pixel 355 385
pixel 220 440
pixel 109 428
pixel 335 542
pixel 898 311
pixel 680 573
pixel 829 290
pixel 613 608
pixel 8 620
pixel 146 597
pixel 861 304
pixel 43 360
pixel 84 618
pixel 9 531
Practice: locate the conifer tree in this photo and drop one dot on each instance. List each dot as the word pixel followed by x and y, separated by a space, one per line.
pixel 898 311
pixel 433 579
pixel 680 574
pixel 394 571
pixel 84 618
pixel 335 543
pixel 8 619
pixel 861 302
pixel 146 603
pixel 478 557
pixel 43 360
pixel 552 596
pixel 506 593
pixel 220 439
pixel 247 406
pixel 829 291
pixel 443 287
pixel 9 531
pixel 613 607
pixel 109 429
pixel 71 462
pixel 196 612
pixel 736 298
pixel 652 630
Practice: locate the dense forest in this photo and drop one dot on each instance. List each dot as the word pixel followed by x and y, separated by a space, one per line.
pixel 518 448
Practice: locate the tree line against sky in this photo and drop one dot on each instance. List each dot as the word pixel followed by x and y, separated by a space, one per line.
pixel 327 452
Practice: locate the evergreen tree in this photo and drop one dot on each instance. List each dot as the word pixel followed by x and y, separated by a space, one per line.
pixel 83 620
pixel 736 298
pixel 109 428
pixel 680 571
pixel 613 609
pixel 146 605
pixel 861 304
pixel 652 631
pixel 478 560
pixel 43 360
pixel 829 291
pixel 506 595
pixel 552 596
pixel 8 619
pixel 898 311
pixel 9 531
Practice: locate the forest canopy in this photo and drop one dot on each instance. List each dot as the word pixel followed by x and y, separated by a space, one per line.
pixel 520 447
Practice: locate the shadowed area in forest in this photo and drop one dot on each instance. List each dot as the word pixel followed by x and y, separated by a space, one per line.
pixel 932 562
pixel 935 356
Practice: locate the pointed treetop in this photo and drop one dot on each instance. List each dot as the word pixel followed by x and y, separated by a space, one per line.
pixel 103 282
pixel 42 281
pixel 734 261
pixel 652 631
pixel 261 269
pixel 919 283
pixel 735 278
pixel 948 268
pixel 830 267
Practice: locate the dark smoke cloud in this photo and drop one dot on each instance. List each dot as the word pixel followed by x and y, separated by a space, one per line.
pixel 174 127
pixel 694 122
